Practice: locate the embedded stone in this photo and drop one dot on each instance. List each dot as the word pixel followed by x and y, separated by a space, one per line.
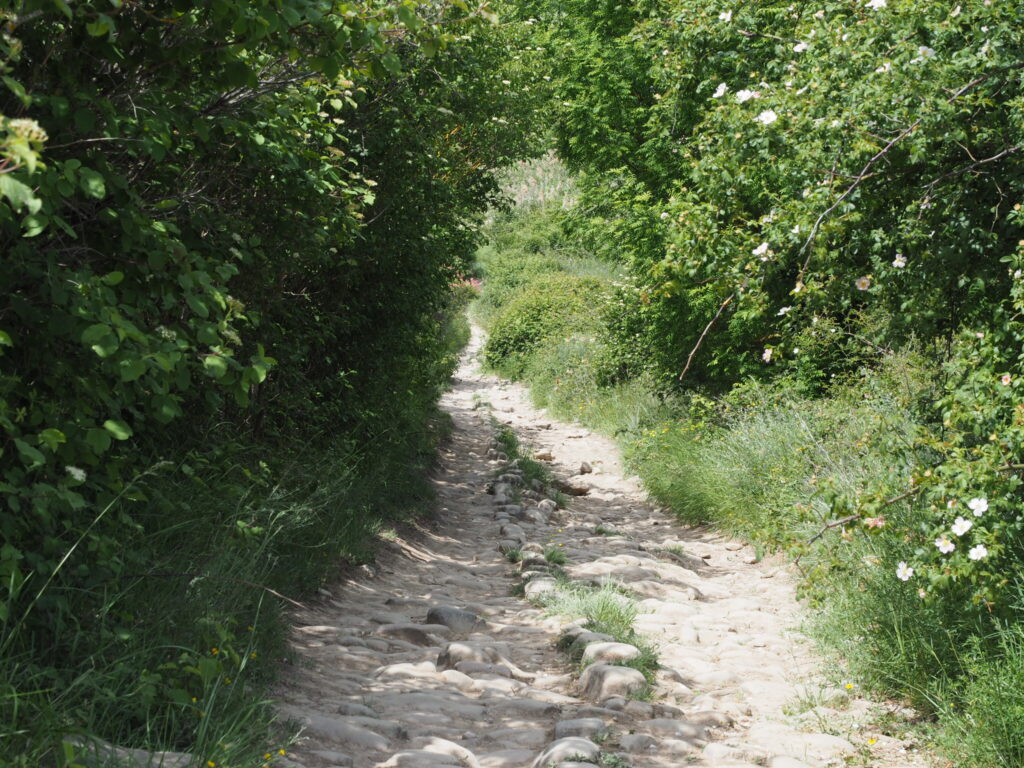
pixel 601 681
pixel 456 619
pixel 583 726
pixel 609 652
pixel 93 751
pixel 537 587
pixel 637 742
pixel 478 668
pixel 676 729
pixel 417 634
pixel 568 749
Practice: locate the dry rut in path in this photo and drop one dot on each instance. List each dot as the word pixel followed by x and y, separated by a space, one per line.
pixel 427 659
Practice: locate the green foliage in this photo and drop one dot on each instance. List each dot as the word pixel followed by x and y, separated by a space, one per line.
pixel 230 236
pixel 516 256
pixel 543 310
pixel 781 155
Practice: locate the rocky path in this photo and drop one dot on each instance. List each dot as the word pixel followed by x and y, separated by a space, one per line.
pixel 430 659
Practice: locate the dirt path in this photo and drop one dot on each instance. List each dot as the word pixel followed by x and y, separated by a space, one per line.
pixel 427 659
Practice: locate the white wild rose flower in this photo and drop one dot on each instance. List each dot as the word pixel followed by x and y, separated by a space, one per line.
pixel 904 571
pixel 978 552
pixel 961 526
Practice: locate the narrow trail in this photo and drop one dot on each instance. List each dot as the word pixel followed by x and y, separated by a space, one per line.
pixel 426 659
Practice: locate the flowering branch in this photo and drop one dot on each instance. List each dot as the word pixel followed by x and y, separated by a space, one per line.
pixel 865 171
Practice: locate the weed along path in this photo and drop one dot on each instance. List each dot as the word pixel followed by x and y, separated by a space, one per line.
pixel 515 634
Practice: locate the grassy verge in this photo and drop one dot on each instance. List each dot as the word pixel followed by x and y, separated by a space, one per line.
pixel 766 462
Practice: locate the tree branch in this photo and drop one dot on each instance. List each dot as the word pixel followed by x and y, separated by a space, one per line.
pixel 689 359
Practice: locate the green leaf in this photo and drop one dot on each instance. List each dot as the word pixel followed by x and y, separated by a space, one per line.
pixel 132 369
pixel 5 339
pixel 118 429
pixel 407 15
pixel 64 8
pixel 197 304
pixel 34 223
pixel 98 440
pixel 103 25
pixel 113 278
pixel 52 439
pixel 215 366
pixel 33 457
pixel 165 408
pixel 101 339
pixel 94 333
pixel 17 89
pixel 19 195
pixel 207 334
pixel 92 183
pixel 391 63
pixel 238 74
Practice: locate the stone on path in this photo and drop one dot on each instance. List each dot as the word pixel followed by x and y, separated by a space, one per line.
pixel 602 681
pixel 586 727
pixel 456 619
pixel 536 587
pixel 610 652
pixel 566 749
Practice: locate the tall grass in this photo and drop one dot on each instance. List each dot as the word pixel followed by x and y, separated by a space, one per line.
pixel 178 651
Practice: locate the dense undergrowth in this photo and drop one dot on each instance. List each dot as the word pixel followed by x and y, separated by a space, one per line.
pixel 234 235
pixel 769 460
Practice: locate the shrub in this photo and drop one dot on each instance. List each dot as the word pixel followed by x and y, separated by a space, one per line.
pixel 542 311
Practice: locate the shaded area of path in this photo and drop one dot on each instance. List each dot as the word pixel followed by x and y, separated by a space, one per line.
pixel 427 659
